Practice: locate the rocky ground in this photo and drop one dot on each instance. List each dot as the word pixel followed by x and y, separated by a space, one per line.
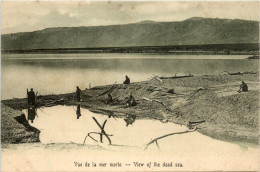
pixel 229 115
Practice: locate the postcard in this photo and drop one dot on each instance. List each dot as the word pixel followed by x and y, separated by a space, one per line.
pixel 129 86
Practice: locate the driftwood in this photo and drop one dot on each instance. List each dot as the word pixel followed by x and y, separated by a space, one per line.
pixel 101 133
pixel 89 135
pixel 157 78
pixel 157 144
pixel 239 73
pixel 197 122
pixel 105 92
pixel 145 98
pixel 196 91
pixel 175 77
pixel 102 130
pixel 154 77
pixel 158 138
pixel 53 103
pixel 191 125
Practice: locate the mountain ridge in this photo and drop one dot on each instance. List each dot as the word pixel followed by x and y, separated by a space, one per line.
pixel 192 31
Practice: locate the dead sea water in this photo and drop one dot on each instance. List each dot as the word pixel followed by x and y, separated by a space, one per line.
pixel 61 73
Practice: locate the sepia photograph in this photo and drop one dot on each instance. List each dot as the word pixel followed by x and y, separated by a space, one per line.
pixel 130 85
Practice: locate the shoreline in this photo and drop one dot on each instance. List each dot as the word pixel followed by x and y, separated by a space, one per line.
pixel 134 52
pixel 206 49
pixel 229 116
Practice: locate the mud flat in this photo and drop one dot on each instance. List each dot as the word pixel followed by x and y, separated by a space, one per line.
pixel 228 115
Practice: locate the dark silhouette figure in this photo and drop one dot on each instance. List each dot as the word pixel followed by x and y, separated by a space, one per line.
pixel 127 80
pixel 109 99
pixel 243 87
pixel 130 119
pixel 78 92
pixel 31 97
pixel 131 102
pixel 78 112
pixel 31 114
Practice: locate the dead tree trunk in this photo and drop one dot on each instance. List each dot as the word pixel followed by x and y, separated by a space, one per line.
pixel 158 138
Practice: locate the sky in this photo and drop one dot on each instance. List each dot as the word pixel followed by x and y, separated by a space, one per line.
pixel 37 15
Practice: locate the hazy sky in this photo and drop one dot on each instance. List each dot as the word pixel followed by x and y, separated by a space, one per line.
pixel 37 15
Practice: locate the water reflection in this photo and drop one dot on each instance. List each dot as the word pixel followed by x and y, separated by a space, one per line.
pixel 78 113
pixel 71 129
pixel 130 119
pixel 32 112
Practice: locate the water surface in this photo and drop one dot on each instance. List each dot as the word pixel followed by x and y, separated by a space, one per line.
pixel 61 73
pixel 62 124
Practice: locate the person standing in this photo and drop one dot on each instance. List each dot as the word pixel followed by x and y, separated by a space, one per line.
pixel 78 92
pixel 31 97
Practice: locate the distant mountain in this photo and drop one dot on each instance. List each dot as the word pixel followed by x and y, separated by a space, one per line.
pixel 193 31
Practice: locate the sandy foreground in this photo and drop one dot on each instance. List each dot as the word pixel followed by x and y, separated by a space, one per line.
pixel 62 157
pixel 230 116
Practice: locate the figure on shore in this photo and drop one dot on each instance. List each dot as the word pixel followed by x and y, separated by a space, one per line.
pixel 109 99
pixel 131 102
pixel 78 92
pixel 127 80
pixel 31 97
pixel 78 111
pixel 31 113
pixel 243 87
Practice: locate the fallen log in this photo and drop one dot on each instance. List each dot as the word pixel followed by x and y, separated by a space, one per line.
pixel 147 99
pixel 196 91
pixel 176 77
pixel 239 73
pixel 191 125
pixel 53 103
pixel 161 137
pixel 197 122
